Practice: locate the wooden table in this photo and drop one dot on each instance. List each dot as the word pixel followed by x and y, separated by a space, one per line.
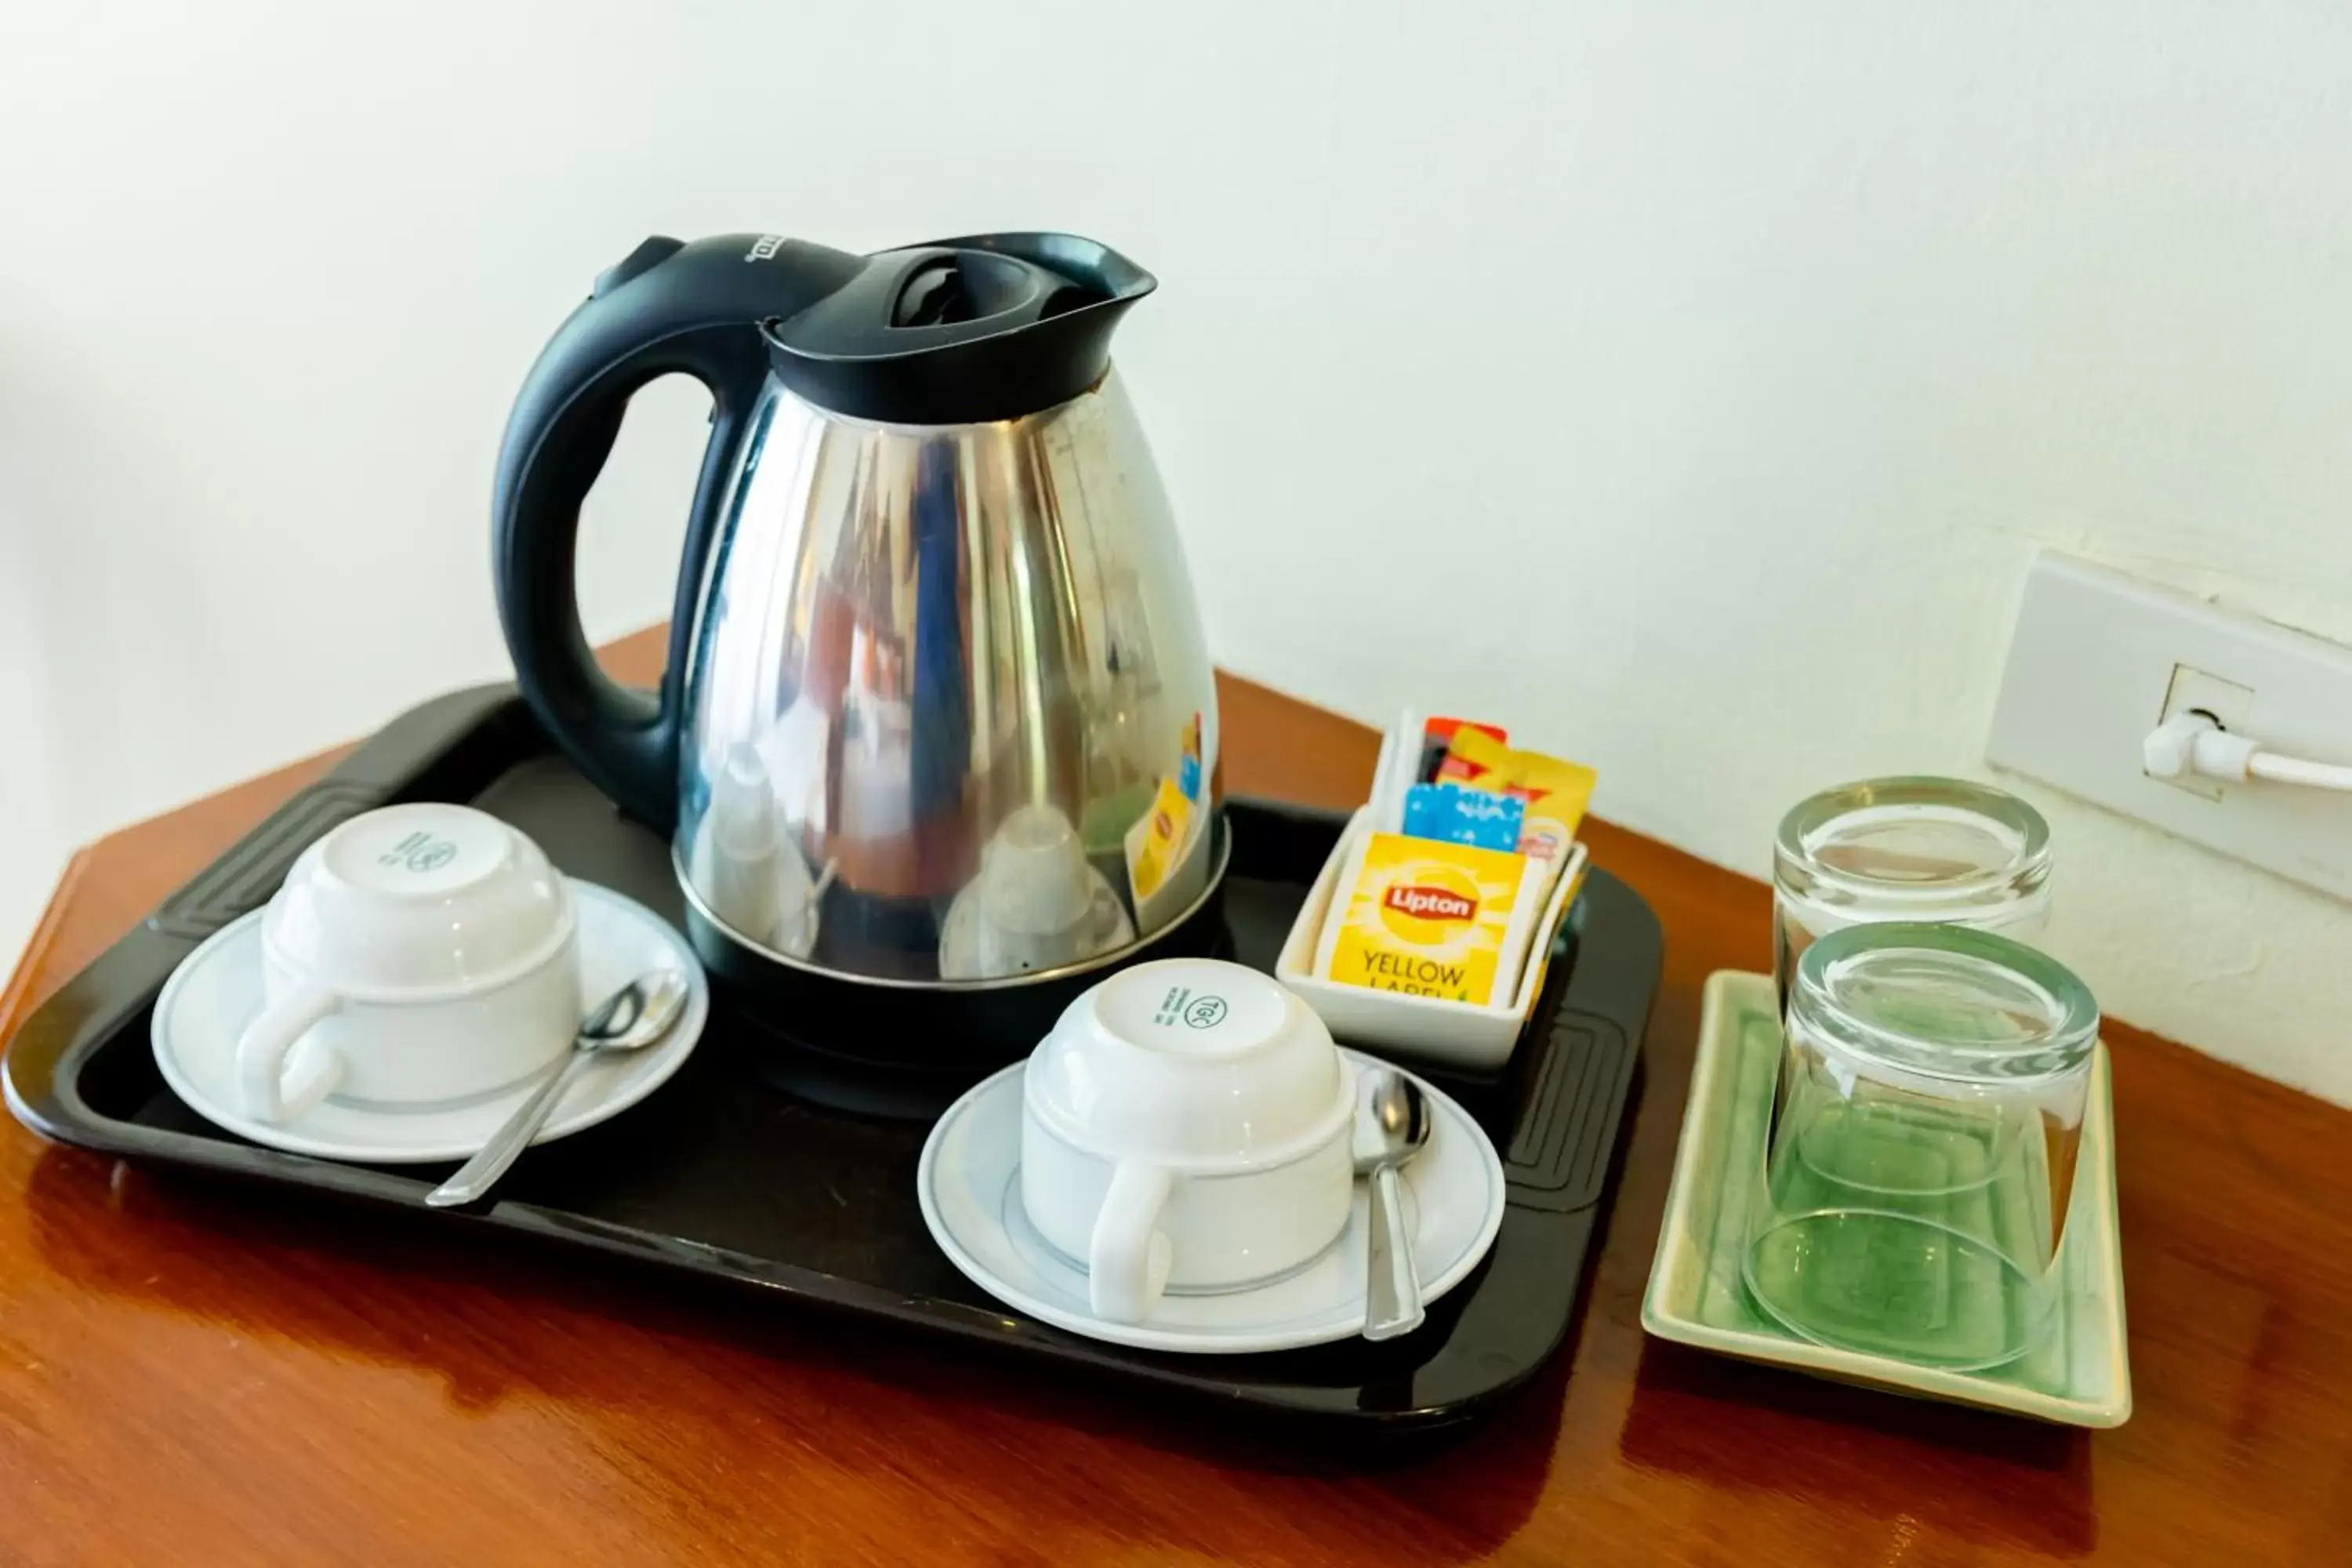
pixel 192 1375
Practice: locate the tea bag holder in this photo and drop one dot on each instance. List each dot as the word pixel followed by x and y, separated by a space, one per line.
pixel 1474 1036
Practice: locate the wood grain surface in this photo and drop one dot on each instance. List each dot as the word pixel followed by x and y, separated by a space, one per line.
pixel 206 1374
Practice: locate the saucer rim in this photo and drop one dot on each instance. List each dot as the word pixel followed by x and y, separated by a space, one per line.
pixel 666 1057
pixel 1243 1340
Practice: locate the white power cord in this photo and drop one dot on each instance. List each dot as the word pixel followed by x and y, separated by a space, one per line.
pixel 2194 744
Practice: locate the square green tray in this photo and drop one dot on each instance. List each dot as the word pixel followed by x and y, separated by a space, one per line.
pixel 2080 1376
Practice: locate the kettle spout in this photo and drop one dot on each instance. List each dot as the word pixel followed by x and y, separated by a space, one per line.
pixel 1094 274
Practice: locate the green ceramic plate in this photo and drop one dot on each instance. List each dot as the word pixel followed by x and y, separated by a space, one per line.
pixel 2080 1376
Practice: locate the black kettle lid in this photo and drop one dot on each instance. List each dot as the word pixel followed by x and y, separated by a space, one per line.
pixel 961 331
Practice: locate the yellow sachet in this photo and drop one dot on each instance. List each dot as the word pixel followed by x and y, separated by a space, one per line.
pixel 1558 794
pixel 1428 917
pixel 1163 841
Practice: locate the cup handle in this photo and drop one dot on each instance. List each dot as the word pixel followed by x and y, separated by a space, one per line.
pixel 271 1093
pixel 1127 1256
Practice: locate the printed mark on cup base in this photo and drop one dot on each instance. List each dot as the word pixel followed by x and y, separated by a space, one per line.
pixel 419 852
pixel 1182 1005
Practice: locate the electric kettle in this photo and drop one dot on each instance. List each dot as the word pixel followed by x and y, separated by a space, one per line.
pixel 938 729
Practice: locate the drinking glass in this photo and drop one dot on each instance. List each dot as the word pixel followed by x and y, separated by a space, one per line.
pixel 1906 849
pixel 1921 1158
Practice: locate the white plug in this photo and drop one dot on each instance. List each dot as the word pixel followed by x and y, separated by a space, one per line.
pixel 2193 743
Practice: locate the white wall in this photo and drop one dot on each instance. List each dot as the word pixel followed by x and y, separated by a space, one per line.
pixel 1688 383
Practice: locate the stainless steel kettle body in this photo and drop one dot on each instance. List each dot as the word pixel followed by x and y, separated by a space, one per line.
pixel 939 673
pixel 939 715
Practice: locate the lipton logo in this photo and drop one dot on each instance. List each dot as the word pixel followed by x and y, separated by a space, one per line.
pixel 1427 903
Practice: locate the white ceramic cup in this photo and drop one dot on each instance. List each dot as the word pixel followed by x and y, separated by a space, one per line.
pixel 415 954
pixel 1186 1126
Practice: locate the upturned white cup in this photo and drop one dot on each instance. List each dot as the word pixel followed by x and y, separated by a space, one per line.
pixel 1186 1127
pixel 415 954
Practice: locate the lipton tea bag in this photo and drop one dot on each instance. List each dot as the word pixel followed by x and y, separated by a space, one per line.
pixel 1430 918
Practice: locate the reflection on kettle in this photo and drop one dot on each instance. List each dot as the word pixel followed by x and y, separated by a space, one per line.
pixel 753 878
pixel 1036 904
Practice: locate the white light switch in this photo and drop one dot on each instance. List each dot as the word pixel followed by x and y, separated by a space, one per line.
pixel 2100 658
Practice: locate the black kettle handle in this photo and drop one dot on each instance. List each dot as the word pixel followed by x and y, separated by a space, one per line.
pixel 667 308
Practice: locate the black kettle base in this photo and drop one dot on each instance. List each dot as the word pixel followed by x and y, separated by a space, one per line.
pixel 906 1051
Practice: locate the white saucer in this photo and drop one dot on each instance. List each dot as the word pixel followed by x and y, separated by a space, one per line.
pixel 216 991
pixel 969 1186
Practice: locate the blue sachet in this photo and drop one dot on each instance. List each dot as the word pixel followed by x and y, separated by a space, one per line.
pixel 1452 815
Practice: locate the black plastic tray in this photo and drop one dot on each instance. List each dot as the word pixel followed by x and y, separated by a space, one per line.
pixel 726 1176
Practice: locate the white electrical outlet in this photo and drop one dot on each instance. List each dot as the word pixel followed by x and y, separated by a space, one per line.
pixel 2100 658
pixel 2225 702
